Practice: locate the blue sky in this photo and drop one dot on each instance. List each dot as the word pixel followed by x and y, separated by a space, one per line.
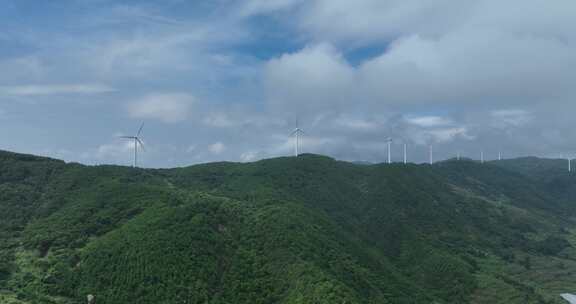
pixel 226 79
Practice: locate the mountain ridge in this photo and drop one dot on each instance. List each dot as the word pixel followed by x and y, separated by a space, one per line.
pixel 284 230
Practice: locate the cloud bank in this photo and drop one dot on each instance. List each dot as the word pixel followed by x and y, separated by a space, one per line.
pixel 231 78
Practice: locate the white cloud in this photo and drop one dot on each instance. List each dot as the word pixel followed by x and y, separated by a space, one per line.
pixel 114 150
pixel 123 12
pixel 369 21
pixel 317 77
pixel 189 47
pixel 249 156
pixel 170 108
pixel 256 7
pixel 140 53
pixel 438 135
pixel 217 148
pixel 219 120
pixel 191 149
pixel 54 89
pixel 437 52
pixel 22 69
pixel 448 134
pixel 491 67
pixel 421 71
pixel 429 121
pixel 365 21
pixel 511 117
pixel 354 123
pixel 312 66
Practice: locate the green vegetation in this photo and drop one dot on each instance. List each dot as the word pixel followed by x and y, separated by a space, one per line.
pixel 286 230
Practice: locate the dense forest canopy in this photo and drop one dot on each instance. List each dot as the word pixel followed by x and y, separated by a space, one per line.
pixel 286 230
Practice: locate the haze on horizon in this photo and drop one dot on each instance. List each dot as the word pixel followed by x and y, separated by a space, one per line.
pixel 225 79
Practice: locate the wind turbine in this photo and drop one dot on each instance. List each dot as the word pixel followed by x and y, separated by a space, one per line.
pixel 431 154
pixel 499 155
pixel 482 156
pixel 296 133
pixel 389 142
pixel 137 142
pixel 405 153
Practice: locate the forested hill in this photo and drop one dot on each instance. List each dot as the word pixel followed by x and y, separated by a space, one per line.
pixel 286 230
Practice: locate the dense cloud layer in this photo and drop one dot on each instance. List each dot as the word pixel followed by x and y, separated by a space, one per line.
pixel 227 80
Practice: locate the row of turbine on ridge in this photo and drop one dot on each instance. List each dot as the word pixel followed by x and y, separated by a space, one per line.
pixel 298 131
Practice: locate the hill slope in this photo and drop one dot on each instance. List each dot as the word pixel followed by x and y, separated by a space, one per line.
pixel 284 230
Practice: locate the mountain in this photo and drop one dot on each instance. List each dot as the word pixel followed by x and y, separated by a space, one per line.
pixel 535 167
pixel 286 230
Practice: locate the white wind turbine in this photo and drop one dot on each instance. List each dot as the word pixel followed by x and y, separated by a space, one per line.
pixel 389 142
pixel 296 133
pixel 405 153
pixel 137 142
pixel 431 154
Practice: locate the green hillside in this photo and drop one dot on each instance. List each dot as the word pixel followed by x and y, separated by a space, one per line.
pixel 287 230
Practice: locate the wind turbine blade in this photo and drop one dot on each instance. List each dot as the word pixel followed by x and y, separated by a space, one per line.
pixel 129 137
pixel 140 130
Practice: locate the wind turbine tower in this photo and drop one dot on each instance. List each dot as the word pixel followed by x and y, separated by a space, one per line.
pixel 296 133
pixel 482 156
pixel 137 142
pixel 569 164
pixel 389 142
pixel 405 153
pixel 431 154
pixel 499 155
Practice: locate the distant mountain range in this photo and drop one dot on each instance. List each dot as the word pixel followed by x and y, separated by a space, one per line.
pixel 287 230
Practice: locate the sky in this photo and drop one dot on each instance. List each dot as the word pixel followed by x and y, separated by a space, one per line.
pixel 226 80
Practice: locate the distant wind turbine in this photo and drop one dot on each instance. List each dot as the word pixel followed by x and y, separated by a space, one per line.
pixel 482 156
pixel 389 142
pixel 137 142
pixel 431 154
pixel 296 133
pixel 499 155
pixel 405 153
